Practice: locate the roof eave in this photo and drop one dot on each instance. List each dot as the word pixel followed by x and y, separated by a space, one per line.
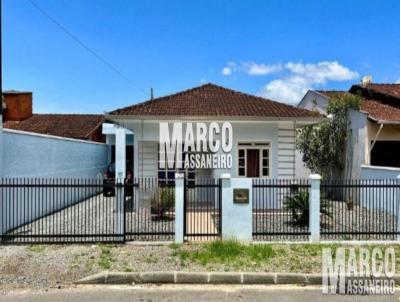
pixel 213 118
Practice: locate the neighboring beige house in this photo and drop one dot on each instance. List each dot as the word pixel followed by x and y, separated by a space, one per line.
pixel 263 131
pixel 374 131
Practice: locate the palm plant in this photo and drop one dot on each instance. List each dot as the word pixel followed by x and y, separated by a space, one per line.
pixel 298 204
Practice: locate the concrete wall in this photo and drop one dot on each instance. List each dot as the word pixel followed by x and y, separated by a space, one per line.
pixel 28 155
pixel 33 155
pixel 373 172
pixel 357 146
pixel 313 100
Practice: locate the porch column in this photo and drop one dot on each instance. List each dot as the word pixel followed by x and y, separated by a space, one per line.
pixel 120 153
pixel 398 209
pixel 179 207
pixel 120 173
pixel 314 205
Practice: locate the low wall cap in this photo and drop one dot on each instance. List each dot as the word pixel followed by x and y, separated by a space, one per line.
pixel 315 176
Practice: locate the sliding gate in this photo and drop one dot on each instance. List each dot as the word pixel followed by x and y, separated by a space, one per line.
pixel 202 207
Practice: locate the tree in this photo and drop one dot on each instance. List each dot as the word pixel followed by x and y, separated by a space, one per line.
pixel 324 145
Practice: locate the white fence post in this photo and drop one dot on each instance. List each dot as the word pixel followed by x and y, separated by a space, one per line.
pixel 2 205
pixel 314 204
pixel 119 206
pixel 398 209
pixel 179 207
pixel 237 216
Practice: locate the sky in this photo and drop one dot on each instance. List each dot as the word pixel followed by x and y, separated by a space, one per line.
pixel 275 49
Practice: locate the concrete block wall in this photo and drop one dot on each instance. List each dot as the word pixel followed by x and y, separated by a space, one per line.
pixel 28 155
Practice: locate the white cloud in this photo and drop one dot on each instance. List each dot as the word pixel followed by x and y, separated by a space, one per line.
pixel 322 71
pixel 229 68
pixel 302 77
pixel 398 81
pixel 295 78
pixel 252 68
pixel 290 89
pixel 226 71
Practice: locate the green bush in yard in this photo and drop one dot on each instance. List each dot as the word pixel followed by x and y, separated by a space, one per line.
pixel 162 200
pixel 299 206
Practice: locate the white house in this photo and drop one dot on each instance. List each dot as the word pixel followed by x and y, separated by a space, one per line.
pixel 263 132
pixel 374 130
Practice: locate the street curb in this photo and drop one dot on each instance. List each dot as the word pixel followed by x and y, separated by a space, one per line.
pixel 202 278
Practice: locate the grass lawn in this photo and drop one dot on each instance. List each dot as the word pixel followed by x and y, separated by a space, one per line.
pixel 234 256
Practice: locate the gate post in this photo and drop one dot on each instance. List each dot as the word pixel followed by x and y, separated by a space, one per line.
pixel 237 208
pixel 179 207
pixel 120 208
pixel 314 205
pixel 398 208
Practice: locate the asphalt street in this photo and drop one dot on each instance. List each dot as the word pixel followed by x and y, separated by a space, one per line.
pixel 177 293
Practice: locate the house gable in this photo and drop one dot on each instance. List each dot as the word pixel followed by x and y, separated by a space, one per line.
pixel 210 100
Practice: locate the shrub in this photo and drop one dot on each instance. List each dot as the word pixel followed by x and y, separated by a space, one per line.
pixel 162 200
pixel 299 206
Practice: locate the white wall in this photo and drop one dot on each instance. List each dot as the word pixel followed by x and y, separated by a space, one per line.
pixel 374 172
pixel 282 147
pixel 313 100
pixel 34 155
pixel 28 155
pixel 357 145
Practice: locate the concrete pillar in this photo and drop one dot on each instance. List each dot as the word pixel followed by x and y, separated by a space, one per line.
pixel 1 145
pixel 1 170
pixel 398 209
pixel 120 153
pixel 314 204
pixel 119 207
pixel 237 218
pixel 179 207
pixel 120 174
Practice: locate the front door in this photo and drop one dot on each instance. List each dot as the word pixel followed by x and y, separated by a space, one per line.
pixel 253 163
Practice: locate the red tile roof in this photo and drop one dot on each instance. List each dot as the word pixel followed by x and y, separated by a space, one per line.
pixel 78 126
pixel 382 110
pixel 213 100
pixel 382 90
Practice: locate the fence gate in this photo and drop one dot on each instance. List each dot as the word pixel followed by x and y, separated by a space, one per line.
pixel 202 206
pixel 149 210
pixel 86 210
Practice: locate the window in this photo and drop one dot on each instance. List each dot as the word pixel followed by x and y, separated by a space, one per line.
pixel 254 159
pixel 167 175
pixel 386 153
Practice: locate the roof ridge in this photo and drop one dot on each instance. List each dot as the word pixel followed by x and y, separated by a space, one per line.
pixel 69 114
pixel 165 97
pixel 161 98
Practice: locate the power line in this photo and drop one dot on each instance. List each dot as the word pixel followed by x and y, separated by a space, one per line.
pixel 83 45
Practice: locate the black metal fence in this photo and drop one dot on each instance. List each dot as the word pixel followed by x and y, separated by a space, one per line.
pixel 150 210
pixel 85 210
pixel 280 209
pixel 359 209
pixel 97 210
pixel 202 209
